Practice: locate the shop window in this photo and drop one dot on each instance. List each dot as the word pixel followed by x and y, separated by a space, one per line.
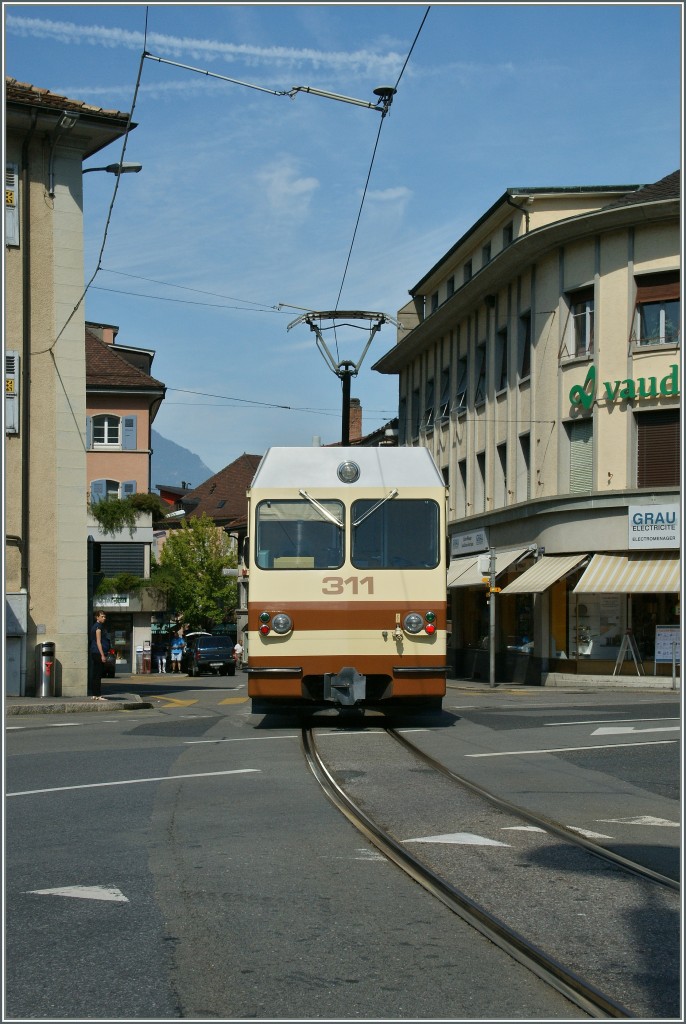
pixel 658 449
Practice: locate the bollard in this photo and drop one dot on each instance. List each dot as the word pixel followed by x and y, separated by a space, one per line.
pixel 46 671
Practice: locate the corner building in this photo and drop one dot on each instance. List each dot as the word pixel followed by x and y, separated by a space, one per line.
pixel 539 360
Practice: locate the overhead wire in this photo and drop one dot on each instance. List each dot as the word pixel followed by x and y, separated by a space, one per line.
pixel 371 165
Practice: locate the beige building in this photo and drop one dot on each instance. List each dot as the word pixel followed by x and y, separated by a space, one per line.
pixel 539 360
pixel 47 139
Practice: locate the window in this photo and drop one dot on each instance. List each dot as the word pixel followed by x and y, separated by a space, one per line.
pixel 398 534
pixel 461 495
pixel 106 431
pixel 297 534
pixel 580 456
pixel 501 359
pixel 434 302
pixel 658 449
pixel 450 286
pixel 11 204
pixel 524 346
pixel 581 309
pixel 508 234
pixel 480 391
pixel 416 413
pixel 523 485
pixel 658 309
pixel 462 382
pixel 480 483
pixel 122 557
pixel 467 271
pixel 500 495
pixel 486 254
pixel 428 417
pixel 104 489
pixel 402 421
pixel 444 410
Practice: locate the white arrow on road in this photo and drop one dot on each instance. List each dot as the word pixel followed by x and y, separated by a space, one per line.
pixel 84 892
pixel 616 730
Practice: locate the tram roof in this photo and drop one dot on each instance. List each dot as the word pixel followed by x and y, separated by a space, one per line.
pixel 317 467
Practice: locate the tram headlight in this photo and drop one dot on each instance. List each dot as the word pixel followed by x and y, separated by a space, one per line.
pixel 282 623
pixel 413 622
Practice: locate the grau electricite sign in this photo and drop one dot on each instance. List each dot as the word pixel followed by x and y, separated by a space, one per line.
pixel 628 390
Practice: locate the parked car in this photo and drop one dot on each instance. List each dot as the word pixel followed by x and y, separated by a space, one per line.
pixel 110 664
pixel 208 653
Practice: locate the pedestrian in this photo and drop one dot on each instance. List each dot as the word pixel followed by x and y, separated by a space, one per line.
pixel 99 649
pixel 177 649
pixel 160 654
pixel 237 652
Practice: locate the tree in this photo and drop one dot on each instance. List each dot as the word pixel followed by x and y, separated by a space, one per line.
pixel 191 573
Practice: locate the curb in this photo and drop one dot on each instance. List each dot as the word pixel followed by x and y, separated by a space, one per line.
pixel 52 706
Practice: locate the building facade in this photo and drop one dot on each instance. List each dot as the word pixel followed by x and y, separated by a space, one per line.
pixel 47 138
pixel 122 400
pixel 539 360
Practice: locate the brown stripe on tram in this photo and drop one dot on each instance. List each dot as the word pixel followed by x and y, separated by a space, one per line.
pixel 346 616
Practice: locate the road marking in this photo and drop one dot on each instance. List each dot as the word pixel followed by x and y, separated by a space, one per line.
pixel 234 700
pixel 174 701
pixel 617 730
pixel 133 782
pixel 587 832
pixel 84 892
pixel 241 739
pixel 604 721
pixel 559 750
pixel 522 828
pixel 9 728
pixel 461 838
pixel 643 819
pixel 63 725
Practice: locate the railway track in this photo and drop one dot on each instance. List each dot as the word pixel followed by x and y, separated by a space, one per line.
pixel 589 996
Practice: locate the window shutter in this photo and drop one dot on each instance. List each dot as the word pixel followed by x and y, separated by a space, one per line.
pixel 89 432
pixel 11 204
pixel 98 491
pixel 658 287
pixel 12 383
pixel 129 432
pixel 658 449
pixel 581 456
pixel 128 487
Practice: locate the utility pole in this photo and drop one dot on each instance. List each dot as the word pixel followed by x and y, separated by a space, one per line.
pixel 491 618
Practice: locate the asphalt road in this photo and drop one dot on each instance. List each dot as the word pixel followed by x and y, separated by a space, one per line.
pixel 181 862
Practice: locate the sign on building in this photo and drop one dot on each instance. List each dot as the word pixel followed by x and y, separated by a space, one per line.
pixel 654 526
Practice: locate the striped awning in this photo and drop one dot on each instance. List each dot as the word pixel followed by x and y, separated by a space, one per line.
pixel 631 574
pixel 543 574
pixel 466 572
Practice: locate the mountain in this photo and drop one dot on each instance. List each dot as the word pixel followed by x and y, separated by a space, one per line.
pixel 171 464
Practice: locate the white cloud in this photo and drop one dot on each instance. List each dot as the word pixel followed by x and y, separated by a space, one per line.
pixel 287 193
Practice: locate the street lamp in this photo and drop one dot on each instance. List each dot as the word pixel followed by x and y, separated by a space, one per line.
pixel 116 169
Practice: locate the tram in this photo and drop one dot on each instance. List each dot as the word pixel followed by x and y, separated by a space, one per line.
pixel 345 561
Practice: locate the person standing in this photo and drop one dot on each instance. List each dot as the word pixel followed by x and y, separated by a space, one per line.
pixel 238 653
pixel 99 648
pixel 177 647
pixel 160 655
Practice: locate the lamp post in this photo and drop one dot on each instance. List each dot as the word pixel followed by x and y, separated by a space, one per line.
pixel 116 169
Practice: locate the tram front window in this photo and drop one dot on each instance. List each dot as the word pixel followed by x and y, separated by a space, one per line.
pixel 295 534
pixel 399 534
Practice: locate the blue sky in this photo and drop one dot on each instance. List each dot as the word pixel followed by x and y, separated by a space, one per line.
pixel 245 211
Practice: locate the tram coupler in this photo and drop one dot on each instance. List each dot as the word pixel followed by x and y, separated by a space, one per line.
pixel 346 687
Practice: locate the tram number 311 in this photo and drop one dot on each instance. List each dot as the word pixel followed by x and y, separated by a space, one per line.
pixel 337 585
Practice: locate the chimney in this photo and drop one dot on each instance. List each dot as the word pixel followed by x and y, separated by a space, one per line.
pixel 355 419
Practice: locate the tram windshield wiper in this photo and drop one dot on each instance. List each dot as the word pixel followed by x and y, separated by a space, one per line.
pixel 321 509
pixel 391 494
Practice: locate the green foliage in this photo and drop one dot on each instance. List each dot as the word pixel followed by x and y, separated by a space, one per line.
pixel 115 514
pixel 124 583
pixel 190 571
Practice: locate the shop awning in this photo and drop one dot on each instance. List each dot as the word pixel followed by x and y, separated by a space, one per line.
pixel 465 572
pixel 543 574
pixel 627 574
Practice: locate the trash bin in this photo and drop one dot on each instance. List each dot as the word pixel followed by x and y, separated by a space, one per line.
pixel 139 660
pixel 46 670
